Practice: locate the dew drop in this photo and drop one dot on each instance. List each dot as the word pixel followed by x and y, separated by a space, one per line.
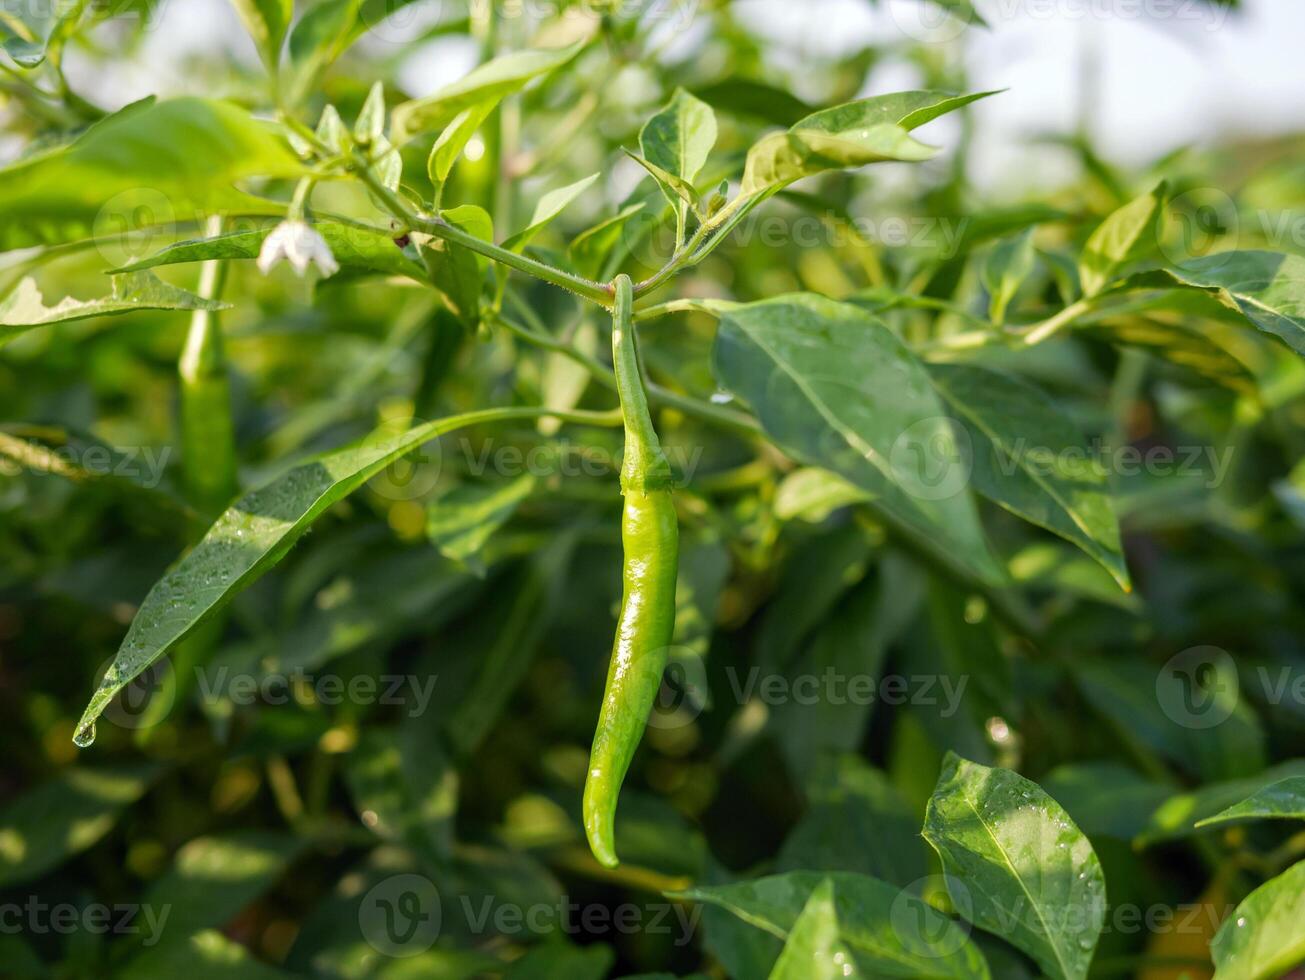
pixel 85 737
pixel 1241 921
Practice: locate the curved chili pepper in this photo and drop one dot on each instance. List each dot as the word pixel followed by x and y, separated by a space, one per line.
pixel 650 538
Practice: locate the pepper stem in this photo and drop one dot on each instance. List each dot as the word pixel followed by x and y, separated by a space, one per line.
pixel 644 466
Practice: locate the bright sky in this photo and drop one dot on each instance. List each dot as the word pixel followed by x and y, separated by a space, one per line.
pixel 1173 72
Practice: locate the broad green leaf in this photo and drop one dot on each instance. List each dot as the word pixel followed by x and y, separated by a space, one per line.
pixel 266 21
pixel 1127 236
pixel 849 135
pixel 549 207
pixel 1009 264
pixel 461 521
pixel 1179 815
pixel 1268 288
pixel 814 950
pixel 207 955
pixel 1265 936
pixel 846 649
pixel 856 820
pixel 1017 866
pixel 64 816
pixel 214 878
pixel 675 144
pixel 358 250
pixel 252 536
pixel 836 388
pixel 1029 458
pixel 1283 800
pixel 1105 799
pixel 889 933
pixel 495 79
pixel 1150 704
pixel 150 165
pixel 1189 328
pixel 681 135
pixel 24 309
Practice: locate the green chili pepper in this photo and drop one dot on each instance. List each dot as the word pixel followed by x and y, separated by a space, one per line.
pixel 650 538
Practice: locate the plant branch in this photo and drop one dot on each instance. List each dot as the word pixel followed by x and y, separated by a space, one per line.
pixel 438 227
pixel 707 412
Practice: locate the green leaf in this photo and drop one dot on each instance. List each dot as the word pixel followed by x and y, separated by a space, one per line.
pixel 1143 703
pixel 535 597
pixel 64 816
pixel 856 821
pixel 358 250
pixel 250 538
pixel 834 387
pixel 1265 936
pixel 814 950
pixel 24 309
pixel 678 191
pixel 560 959
pixel 1179 815
pixel 679 138
pixel 455 270
pixel 494 80
pixel 1268 288
pixel 849 135
pixel 888 933
pixel 1105 799
pixel 207 955
pixel 461 521
pixel 1029 458
pixel 1009 264
pixel 370 124
pixel 29 32
pixel 676 143
pixel 213 878
pixel 266 21
pixel 1126 237
pixel 320 36
pixel 549 207
pixel 1017 865
pixel 1189 328
pixel 150 165
pixel 400 779
pixel 453 139
pixel 1283 800
pixel 812 494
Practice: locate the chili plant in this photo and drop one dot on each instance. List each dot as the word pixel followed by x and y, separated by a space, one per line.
pixel 954 582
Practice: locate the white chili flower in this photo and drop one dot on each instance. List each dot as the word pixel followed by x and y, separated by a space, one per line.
pixel 297 243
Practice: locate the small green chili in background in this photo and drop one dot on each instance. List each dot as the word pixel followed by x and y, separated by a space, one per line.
pixel 650 539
